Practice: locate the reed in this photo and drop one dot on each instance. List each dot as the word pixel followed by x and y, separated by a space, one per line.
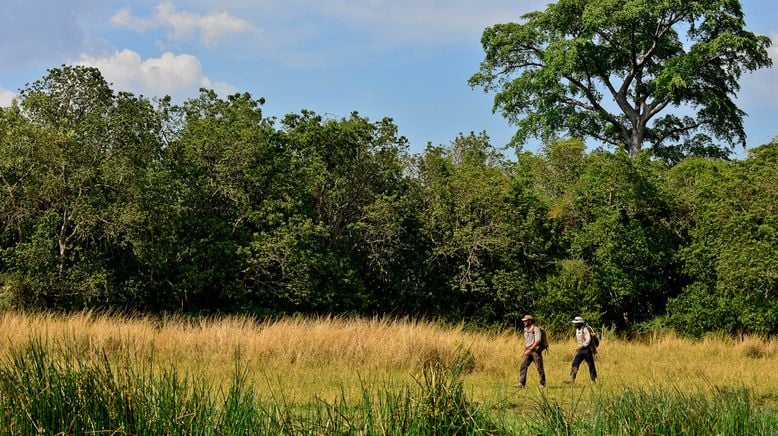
pixel 60 391
pixel 656 411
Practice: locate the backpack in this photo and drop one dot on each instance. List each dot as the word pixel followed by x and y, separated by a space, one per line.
pixel 543 340
pixel 595 341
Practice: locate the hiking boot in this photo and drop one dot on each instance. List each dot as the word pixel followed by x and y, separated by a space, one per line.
pixel 518 385
pixel 568 381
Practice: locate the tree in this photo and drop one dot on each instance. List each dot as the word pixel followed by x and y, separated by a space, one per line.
pixel 17 165
pixel 486 231
pixel 732 254
pixel 218 174
pixel 71 150
pixel 606 69
pixel 70 107
pixel 331 230
pixel 618 223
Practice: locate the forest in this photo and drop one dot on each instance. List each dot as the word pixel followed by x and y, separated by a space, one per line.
pixel 115 201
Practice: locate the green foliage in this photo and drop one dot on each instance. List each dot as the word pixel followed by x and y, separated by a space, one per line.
pixel 334 232
pixel 214 178
pixel 613 241
pixel 67 149
pixel 560 68
pixel 732 256
pixel 38 277
pixel 620 217
pixel 570 290
pixel 486 228
pixel 109 200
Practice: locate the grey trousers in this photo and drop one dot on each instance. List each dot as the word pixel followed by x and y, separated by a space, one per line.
pixel 581 356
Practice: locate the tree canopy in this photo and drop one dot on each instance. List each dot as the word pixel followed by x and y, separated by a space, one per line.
pixel 612 70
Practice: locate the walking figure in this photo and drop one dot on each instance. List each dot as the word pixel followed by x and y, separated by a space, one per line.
pixel 533 338
pixel 585 350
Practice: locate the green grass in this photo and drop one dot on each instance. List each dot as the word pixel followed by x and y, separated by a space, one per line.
pixel 654 411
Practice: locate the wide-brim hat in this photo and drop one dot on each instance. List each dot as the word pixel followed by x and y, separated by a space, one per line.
pixel 578 320
pixel 528 318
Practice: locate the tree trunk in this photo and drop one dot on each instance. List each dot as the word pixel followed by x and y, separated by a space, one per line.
pixel 636 140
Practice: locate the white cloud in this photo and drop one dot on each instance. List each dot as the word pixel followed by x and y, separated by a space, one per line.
pixel 185 26
pixel 280 27
pixel 124 18
pixel 5 97
pixel 175 75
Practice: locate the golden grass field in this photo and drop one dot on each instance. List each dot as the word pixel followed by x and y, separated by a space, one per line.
pixel 298 359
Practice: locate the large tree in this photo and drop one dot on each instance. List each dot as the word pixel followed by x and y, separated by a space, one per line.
pixel 606 69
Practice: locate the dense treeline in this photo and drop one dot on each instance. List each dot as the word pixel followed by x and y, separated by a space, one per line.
pixel 111 200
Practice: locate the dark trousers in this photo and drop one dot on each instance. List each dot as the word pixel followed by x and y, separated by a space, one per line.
pixel 526 361
pixel 584 355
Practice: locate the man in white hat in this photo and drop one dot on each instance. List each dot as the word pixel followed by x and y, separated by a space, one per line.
pixel 532 352
pixel 584 351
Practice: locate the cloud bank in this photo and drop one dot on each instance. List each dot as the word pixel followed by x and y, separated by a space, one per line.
pixel 170 74
pixel 185 26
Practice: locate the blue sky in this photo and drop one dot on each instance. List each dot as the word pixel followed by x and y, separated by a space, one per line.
pixel 405 59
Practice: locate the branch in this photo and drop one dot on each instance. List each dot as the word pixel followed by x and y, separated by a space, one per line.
pixel 661 30
pixel 656 107
pixel 577 103
pixel 589 95
pixel 512 67
pixel 598 108
pixel 638 63
pixel 677 131
pixel 604 139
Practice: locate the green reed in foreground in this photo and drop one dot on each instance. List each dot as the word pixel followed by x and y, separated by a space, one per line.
pixel 52 390
pixel 653 411
pixel 79 393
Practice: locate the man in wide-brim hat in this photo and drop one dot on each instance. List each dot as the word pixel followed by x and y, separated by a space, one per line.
pixel 584 350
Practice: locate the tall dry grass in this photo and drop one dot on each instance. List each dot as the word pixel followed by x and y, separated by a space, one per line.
pixel 323 357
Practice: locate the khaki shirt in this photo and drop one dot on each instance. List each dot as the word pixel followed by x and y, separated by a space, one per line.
pixel 531 335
